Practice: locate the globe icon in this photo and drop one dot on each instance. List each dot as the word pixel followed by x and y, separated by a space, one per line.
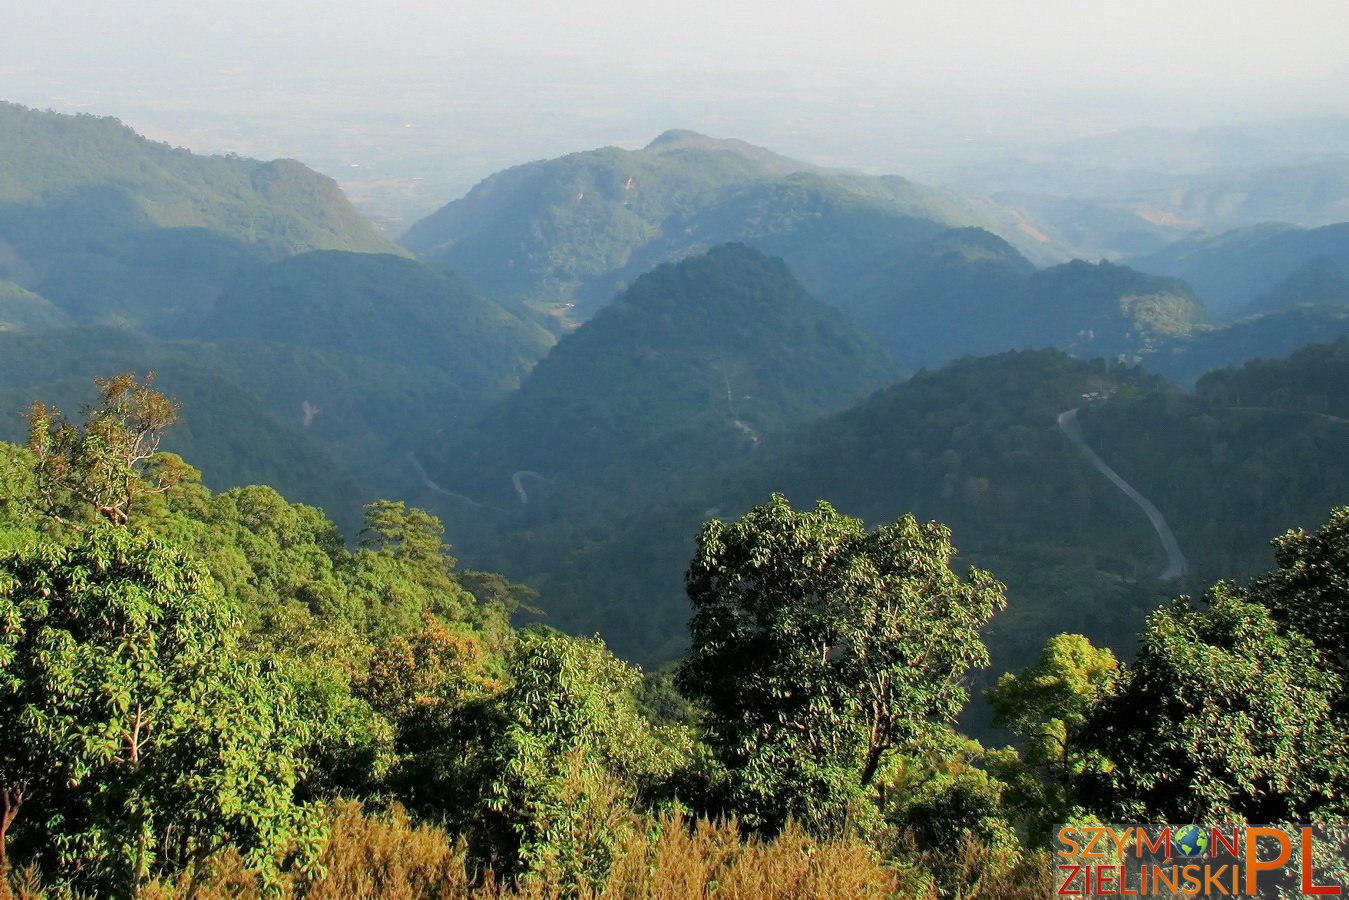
pixel 1189 841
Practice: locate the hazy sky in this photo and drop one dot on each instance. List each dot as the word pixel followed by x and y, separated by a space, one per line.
pixel 449 91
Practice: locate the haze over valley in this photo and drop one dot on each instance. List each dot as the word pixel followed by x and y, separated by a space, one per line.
pixel 561 417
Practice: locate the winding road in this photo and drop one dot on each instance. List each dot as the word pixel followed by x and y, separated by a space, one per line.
pixel 1176 564
pixel 518 479
pixel 432 486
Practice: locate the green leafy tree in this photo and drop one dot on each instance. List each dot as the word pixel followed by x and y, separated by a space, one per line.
pixel 949 803
pixel 113 459
pixel 137 738
pixel 573 756
pixel 1309 591
pixel 403 569
pixel 819 648
pixel 1223 715
pixel 1048 705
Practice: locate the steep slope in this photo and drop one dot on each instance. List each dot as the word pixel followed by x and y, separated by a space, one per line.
pixel 1318 282
pixel 1232 269
pixel 225 429
pixel 1271 335
pixel 697 362
pixel 573 229
pixel 383 307
pixel 282 205
pixel 967 292
pixel 114 228
pixel 1103 310
pixel 976 445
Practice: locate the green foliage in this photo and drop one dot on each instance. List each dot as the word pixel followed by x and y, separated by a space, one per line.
pixel 953 811
pixel 113 460
pixel 1223 715
pixel 819 648
pixel 1309 591
pixel 1048 706
pixel 973 445
pixel 573 756
pixel 137 737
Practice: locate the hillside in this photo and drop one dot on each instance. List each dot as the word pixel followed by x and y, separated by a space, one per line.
pixel 78 163
pixel 1270 335
pixel 113 228
pixel 976 445
pixel 574 229
pixel 1231 270
pixel 967 292
pixel 379 306
pixel 697 362
pixel 225 429
pixel 973 445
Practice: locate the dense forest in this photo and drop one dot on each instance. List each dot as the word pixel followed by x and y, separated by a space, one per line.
pixel 212 694
pixel 601 539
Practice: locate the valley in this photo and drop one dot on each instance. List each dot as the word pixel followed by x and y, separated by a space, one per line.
pixel 525 515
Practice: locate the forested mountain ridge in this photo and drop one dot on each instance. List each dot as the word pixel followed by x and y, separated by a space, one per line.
pixel 1232 270
pixel 695 363
pixel 112 228
pixel 334 351
pixel 380 306
pixel 976 445
pixel 968 292
pixel 233 433
pixel 574 229
pixel 207 688
pixel 58 162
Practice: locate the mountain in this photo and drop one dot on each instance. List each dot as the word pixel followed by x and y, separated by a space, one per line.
pixel 978 445
pixel 224 428
pixel 257 274
pixel 113 228
pixel 578 228
pixel 696 363
pixel 1231 270
pixel 60 163
pixel 1318 282
pixel 380 306
pixel 1269 335
pixel 967 292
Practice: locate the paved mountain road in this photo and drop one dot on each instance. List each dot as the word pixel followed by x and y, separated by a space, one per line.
pixel 1176 564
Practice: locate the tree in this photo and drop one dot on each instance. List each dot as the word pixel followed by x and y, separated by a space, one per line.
pixel 1309 591
pixel 113 459
pixel 819 648
pixel 1223 715
pixel 136 737
pixel 573 756
pixel 1049 704
pixel 402 569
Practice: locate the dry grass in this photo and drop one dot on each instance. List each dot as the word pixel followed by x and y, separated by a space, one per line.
pixel 385 855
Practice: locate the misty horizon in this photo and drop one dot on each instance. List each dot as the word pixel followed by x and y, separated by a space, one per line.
pixel 410 108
